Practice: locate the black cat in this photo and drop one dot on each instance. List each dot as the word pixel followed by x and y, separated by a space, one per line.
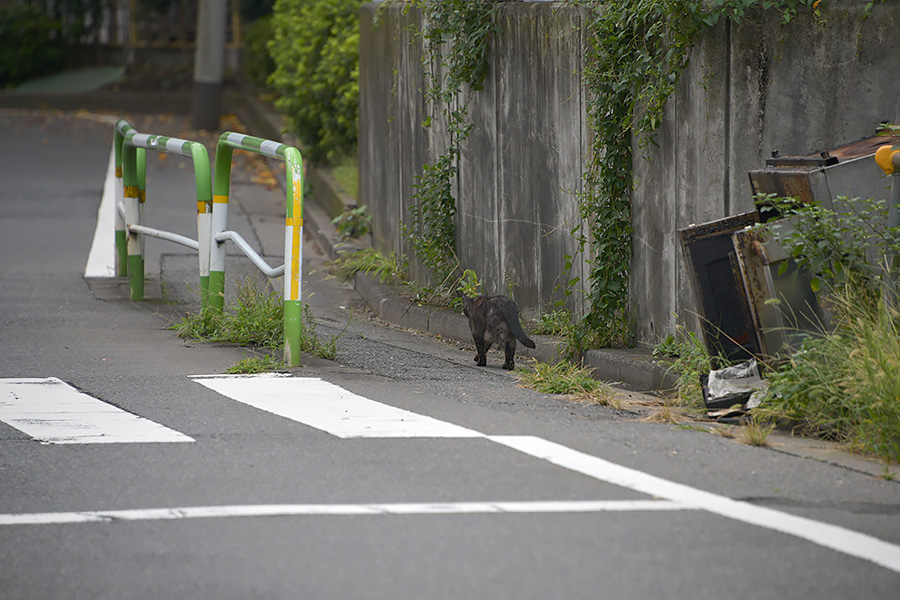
pixel 495 319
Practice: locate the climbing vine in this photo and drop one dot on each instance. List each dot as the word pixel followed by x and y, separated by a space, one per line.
pixel 456 34
pixel 636 51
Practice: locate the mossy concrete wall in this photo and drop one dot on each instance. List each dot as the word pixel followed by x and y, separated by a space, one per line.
pixel 749 89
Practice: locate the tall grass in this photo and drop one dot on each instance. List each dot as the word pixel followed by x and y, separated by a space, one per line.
pixel 846 384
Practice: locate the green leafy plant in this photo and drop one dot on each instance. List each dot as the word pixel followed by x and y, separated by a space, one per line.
pixel 386 267
pixel 315 50
pixel 353 223
pixel 848 244
pixel 566 378
pixel 469 284
pixel 554 322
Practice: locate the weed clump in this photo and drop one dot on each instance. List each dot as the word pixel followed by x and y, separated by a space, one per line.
pixel 569 379
pixel 255 318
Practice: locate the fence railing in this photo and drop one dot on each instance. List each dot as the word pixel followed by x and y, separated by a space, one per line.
pixel 212 219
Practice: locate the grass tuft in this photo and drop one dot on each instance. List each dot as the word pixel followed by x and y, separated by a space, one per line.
pixel 755 432
pixel 253 364
pixel 387 268
pixel 568 379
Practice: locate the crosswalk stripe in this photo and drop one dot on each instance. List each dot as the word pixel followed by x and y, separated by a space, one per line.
pixel 330 408
pixel 53 412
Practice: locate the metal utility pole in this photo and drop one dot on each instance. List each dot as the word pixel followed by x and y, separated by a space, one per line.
pixel 209 64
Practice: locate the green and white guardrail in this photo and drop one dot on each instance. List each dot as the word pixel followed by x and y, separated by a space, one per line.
pixel 212 218
pixel 293 231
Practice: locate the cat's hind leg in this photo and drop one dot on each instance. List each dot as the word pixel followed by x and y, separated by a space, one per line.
pixel 481 348
pixel 510 349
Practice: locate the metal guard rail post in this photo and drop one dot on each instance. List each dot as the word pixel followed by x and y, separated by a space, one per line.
pixel 134 196
pixel 121 129
pixel 293 231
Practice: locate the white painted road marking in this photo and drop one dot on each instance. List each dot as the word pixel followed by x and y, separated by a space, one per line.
pixel 102 257
pixel 52 411
pixel 330 408
pixel 288 510
pixel 830 536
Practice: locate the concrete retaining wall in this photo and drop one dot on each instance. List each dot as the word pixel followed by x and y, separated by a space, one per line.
pixel 749 89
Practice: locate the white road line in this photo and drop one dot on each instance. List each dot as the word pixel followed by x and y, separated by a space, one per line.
pixel 830 536
pixel 54 412
pixel 102 257
pixel 287 510
pixel 330 408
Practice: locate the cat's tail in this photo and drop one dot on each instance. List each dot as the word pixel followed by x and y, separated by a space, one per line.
pixel 512 318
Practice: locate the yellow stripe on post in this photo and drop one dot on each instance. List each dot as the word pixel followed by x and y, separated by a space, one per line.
pixel 295 263
pixel 220 199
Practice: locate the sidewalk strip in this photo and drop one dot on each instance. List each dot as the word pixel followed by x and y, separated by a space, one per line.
pixel 330 408
pixel 291 510
pixel 830 536
pixel 54 412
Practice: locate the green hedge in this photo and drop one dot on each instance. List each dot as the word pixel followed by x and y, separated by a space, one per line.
pixel 32 44
pixel 315 46
pixel 258 64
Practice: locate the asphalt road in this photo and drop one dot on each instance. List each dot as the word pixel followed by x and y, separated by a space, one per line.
pixel 500 492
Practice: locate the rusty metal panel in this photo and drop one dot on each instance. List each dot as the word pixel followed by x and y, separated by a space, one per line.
pixel 847 170
pixel 783 324
pixel 727 323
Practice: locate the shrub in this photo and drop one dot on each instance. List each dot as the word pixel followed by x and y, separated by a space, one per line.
pixel 258 64
pixel 843 382
pixel 315 47
pixel 32 44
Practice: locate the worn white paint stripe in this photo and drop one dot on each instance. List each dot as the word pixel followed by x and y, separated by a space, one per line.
pixel 269 148
pixel 236 139
pixel 328 407
pixel 140 140
pixel 287 510
pixel 830 536
pixel 101 260
pixel 175 145
pixel 52 411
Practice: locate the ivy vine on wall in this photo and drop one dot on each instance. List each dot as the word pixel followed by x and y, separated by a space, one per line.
pixel 456 34
pixel 635 52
